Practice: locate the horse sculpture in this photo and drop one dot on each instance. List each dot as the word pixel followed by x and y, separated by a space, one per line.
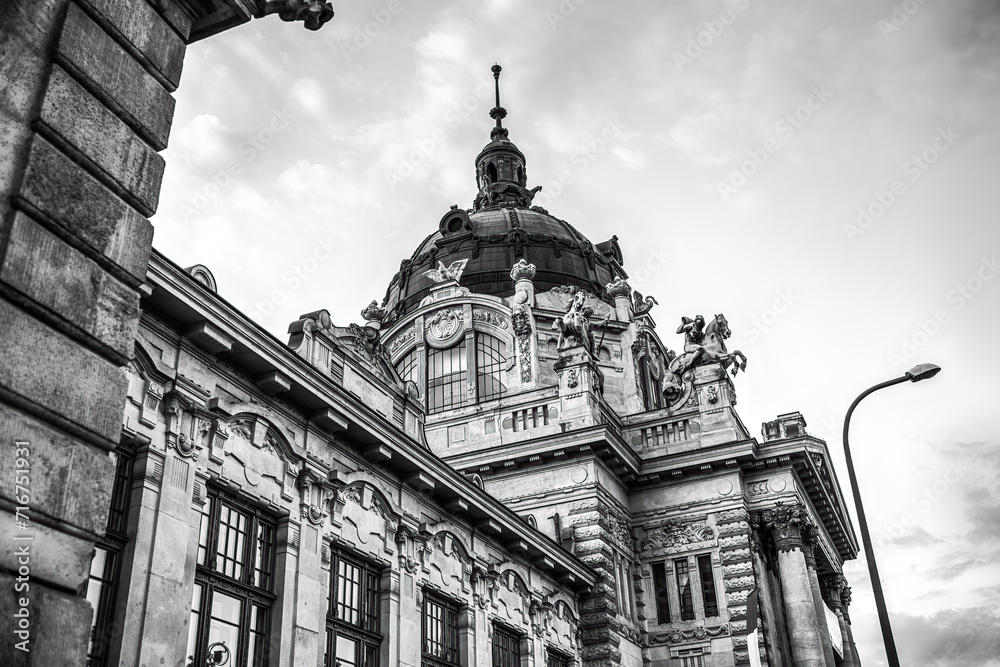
pixel 703 345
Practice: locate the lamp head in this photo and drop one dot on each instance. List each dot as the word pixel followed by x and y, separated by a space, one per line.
pixel 922 372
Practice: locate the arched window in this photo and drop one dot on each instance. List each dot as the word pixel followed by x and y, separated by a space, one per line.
pixel 491 172
pixel 446 372
pixel 409 369
pixel 491 357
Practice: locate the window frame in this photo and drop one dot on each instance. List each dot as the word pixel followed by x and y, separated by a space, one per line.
pixel 113 544
pixel 246 587
pixel 457 356
pixel 510 658
pixel 670 600
pixel 555 658
pixel 452 635
pixel 494 349
pixel 367 632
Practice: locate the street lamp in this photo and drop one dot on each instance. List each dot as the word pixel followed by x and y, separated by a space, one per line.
pixel 915 374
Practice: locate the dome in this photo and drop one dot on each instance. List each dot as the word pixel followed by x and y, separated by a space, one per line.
pixel 493 240
pixel 501 228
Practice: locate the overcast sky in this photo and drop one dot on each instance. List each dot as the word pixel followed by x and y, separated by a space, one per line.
pixel 826 176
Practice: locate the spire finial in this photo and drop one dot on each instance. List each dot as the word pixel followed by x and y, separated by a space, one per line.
pixel 498 112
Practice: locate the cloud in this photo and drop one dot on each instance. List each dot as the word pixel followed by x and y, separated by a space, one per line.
pixel 950 638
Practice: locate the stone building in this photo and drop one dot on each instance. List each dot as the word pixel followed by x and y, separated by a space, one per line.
pixel 504 465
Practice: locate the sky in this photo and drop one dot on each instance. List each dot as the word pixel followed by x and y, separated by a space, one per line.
pixel 824 174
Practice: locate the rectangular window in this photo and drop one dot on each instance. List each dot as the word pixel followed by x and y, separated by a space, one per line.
pixel 439 632
pixel 506 648
pixel 446 373
pixel 232 596
pixel 491 357
pixel 684 589
pixel 105 567
pixel 708 585
pixel 661 592
pixel 353 632
pixel 553 659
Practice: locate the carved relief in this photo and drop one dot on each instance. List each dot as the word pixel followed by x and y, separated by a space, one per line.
pixel 521 319
pixel 444 328
pixel 674 534
pixel 489 317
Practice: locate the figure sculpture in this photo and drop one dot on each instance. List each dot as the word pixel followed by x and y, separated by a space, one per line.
pixel 705 343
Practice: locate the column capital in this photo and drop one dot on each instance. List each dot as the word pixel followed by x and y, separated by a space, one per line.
pixel 810 542
pixel 833 586
pixel 785 522
pixel 845 598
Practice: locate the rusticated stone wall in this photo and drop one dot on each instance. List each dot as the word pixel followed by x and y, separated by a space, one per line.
pixel 85 106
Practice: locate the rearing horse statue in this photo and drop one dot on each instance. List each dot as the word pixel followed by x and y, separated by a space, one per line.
pixel 705 345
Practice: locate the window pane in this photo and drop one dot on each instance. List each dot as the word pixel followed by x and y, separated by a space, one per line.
pixel 206 523
pixel 409 370
pixel 257 651
pixel 232 541
pixel 684 589
pixel 347 652
pixel 446 378
pixel 440 630
pixel 506 648
pixel 491 357
pixel 708 586
pixel 195 622
pixel 224 624
pixel 660 590
pixel 263 556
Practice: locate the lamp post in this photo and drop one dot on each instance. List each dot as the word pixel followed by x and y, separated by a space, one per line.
pixel 915 374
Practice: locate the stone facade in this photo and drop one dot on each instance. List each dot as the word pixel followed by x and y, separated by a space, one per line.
pixel 520 457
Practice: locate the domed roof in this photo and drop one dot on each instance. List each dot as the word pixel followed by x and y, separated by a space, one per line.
pixel 493 240
pixel 501 228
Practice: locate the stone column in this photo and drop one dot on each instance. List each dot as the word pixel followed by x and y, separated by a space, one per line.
pixel 810 544
pixel 845 598
pixel 784 523
pixel 833 584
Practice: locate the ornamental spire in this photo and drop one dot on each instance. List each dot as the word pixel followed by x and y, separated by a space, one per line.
pixel 498 112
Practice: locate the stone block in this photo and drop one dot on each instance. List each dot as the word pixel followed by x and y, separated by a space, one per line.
pixel 101 137
pixel 58 559
pixel 88 52
pixel 59 626
pixel 70 480
pixel 26 33
pixel 138 26
pixel 47 369
pixel 45 269
pixel 67 196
